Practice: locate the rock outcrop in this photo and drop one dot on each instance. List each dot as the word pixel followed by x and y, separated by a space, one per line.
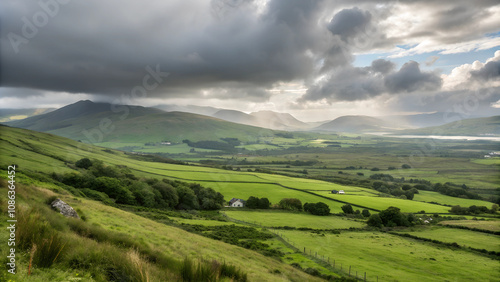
pixel 64 208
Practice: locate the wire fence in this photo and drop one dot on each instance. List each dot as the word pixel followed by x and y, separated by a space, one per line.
pixel 325 261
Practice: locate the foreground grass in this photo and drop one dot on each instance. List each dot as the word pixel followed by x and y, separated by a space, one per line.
pixel 179 243
pixel 297 220
pixel 392 258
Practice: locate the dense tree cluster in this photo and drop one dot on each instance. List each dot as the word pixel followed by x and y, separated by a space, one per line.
pixel 318 208
pixel 347 209
pixel 391 217
pixel 257 203
pixel 405 191
pixel 101 182
pixel 473 209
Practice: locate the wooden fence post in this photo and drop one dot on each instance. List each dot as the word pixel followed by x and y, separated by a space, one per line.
pixel 365 276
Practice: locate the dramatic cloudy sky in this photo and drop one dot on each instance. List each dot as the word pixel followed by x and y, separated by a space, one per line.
pixel 315 59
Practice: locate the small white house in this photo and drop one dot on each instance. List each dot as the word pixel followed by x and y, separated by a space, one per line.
pixel 341 192
pixel 236 203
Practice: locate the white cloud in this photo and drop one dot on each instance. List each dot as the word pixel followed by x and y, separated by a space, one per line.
pixel 460 77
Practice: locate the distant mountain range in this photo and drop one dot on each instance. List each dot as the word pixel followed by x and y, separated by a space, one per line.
pixel 103 122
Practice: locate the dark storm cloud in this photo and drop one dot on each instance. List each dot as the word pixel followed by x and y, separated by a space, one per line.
pixel 409 79
pixel 353 83
pixel 490 71
pixel 104 47
pixel 349 22
pixel 382 66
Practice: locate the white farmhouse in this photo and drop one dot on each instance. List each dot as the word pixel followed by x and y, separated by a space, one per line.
pixel 341 192
pixel 236 203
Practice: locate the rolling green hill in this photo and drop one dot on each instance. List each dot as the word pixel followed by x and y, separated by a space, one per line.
pixel 101 122
pixel 475 126
pixel 39 155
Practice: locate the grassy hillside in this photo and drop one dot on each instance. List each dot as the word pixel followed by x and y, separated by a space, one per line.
pixel 169 243
pixel 475 126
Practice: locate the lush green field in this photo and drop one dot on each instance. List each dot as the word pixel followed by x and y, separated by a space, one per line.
pixel 393 258
pixel 280 218
pixel 381 203
pixel 428 196
pixel 466 238
pixel 492 225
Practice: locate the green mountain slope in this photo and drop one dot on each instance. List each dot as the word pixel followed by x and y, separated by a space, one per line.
pixel 100 122
pixel 475 126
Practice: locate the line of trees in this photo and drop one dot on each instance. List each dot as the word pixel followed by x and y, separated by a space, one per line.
pixel 118 185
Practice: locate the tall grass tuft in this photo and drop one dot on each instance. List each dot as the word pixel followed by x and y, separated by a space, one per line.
pixel 140 267
pixel 210 271
pixel 31 230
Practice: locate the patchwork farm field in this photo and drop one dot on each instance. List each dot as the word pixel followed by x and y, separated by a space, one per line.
pixel 473 239
pixel 428 196
pixel 492 225
pixel 393 258
pixel 297 220
pixel 380 203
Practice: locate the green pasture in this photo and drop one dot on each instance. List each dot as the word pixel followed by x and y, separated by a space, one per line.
pixel 462 237
pixel 281 218
pixel 382 203
pixel 428 196
pixel 492 225
pixel 393 258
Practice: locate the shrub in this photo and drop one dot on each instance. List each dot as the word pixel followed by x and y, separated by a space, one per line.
pixel 375 221
pixel 290 204
pixel 347 209
pixel 84 163
pixel 366 213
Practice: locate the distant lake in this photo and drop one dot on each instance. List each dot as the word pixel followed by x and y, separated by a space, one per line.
pixel 444 137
